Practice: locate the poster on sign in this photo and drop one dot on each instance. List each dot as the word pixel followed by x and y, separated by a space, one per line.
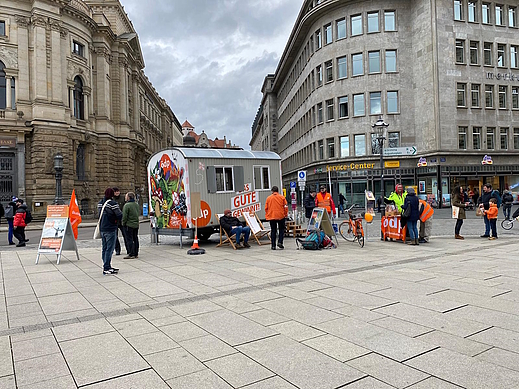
pixel 247 201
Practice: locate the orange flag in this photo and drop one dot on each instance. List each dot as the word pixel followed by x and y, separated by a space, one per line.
pixel 73 214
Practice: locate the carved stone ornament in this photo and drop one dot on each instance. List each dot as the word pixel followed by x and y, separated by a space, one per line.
pixel 9 57
pixel 22 21
pixel 38 21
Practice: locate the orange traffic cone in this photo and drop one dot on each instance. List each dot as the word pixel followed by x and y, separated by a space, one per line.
pixel 195 244
pixel 195 250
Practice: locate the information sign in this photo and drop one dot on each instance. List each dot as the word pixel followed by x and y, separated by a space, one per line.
pixel 410 150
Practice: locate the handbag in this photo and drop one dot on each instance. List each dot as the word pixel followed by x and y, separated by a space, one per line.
pixel 455 212
pixel 407 212
pixel 479 212
pixel 97 231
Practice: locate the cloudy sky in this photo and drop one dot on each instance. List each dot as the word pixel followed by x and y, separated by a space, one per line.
pixel 208 58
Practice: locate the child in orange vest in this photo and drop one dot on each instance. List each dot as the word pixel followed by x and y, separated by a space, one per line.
pixel 491 214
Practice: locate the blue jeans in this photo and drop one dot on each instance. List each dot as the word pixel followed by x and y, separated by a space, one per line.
pixel 413 230
pixel 487 225
pixel 11 229
pixel 241 230
pixel 108 239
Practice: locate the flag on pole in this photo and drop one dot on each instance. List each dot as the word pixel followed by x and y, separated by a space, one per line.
pixel 74 214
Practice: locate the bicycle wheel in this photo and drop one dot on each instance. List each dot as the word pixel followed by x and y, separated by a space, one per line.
pixel 507 224
pixel 346 231
pixel 360 235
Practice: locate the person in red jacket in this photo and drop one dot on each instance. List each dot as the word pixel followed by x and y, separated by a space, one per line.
pixel 276 210
pixel 324 200
pixel 19 223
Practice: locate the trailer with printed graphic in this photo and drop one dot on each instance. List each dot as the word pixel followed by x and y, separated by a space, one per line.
pixel 190 185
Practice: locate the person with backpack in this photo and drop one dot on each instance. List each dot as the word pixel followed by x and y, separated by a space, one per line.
pixel 484 204
pixel 507 200
pixel 10 210
pixel 19 223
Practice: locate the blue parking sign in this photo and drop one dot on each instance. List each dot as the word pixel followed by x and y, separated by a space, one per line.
pixel 293 184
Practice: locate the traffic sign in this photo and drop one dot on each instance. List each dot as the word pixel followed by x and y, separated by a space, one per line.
pixel 301 176
pixel 410 150
pixel 293 184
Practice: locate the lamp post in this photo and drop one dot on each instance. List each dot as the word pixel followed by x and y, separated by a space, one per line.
pixel 378 128
pixel 58 166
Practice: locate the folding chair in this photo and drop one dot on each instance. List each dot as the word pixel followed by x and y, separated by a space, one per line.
pixel 229 240
pixel 256 227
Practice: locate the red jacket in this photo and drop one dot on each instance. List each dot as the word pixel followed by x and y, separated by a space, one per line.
pixel 492 212
pixel 19 217
pixel 276 207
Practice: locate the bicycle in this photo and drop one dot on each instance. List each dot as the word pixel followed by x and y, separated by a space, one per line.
pixel 507 224
pixel 351 229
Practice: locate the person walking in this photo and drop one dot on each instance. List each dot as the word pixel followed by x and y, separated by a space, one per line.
pixel 110 215
pixel 342 200
pixel 120 201
pixel 491 214
pixel 130 221
pixel 426 217
pixel 459 200
pixel 19 223
pixel 484 204
pixel 232 225
pixel 276 210
pixel 508 199
pixel 325 200
pixel 412 201
pixel 309 204
pixel 10 210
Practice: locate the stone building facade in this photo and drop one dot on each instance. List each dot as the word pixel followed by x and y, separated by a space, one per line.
pixel 72 83
pixel 443 74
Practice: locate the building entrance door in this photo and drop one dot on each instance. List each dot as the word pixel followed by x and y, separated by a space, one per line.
pixel 7 178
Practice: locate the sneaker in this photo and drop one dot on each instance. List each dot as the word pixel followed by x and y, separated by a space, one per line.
pixel 245 244
pixel 129 257
pixel 422 241
pixel 21 244
pixel 240 245
pixel 484 236
pixel 280 245
pixel 115 270
pixel 11 243
pixel 26 240
pixel 110 271
pixel 492 238
pixel 273 248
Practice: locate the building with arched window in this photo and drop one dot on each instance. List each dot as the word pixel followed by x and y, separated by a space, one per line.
pixel 72 82
pixel 443 74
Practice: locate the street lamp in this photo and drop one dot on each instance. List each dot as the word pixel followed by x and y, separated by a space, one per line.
pixel 58 166
pixel 379 128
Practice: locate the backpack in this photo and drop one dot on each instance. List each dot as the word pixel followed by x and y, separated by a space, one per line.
pixel 9 211
pixel 28 217
pixel 313 241
pixel 495 194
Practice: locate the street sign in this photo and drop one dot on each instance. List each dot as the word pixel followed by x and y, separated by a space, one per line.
pixel 293 184
pixel 301 176
pixel 410 150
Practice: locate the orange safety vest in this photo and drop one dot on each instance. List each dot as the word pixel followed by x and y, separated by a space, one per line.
pixel 428 211
pixel 324 202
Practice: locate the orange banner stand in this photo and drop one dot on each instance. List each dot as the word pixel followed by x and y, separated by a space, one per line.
pixel 391 229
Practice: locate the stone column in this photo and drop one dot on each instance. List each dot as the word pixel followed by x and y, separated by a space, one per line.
pixel 71 97
pixel 136 102
pixel 56 70
pixel 22 84
pixel 20 161
pixel 39 65
pixel 123 64
pixel 8 102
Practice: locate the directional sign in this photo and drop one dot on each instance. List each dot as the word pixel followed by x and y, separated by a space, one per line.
pixel 410 150
pixel 301 175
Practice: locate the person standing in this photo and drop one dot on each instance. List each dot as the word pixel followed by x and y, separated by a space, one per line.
pixel 232 225
pixel 398 197
pixel 491 214
pixel 276 210
pixel 484 204
pixel 130 221
pixel 19 223
pixel 459 200
pixel 508 199
pixel 10 211
pixel 325 200
pixel 120 201
pixel 342 200
pixel 110 217
pixel 412 201
pixel 309 204
pixel 426 217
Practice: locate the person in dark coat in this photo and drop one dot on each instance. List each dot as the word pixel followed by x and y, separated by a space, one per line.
pixel 309 204
pixel 459 200
pixel 11 209
pixel 483 202
pixel 109 219
pixel 411 200
pixel 232 225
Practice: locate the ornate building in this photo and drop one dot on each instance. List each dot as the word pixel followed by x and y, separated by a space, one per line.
pixel 72 83
pixel 191 138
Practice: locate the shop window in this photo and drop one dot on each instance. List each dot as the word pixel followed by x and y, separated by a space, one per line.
pixel 476 138
pixel 360 145
pixel 331 147
pixel 460 51
pixel 343 107
pixel 389 21
pixel 503 138
pixel 462 138
pixel 341 28
pixel 345 146
pixel 491 138
pixel 474 93
pixel 261 177
pixel 393 139
pixel 458 10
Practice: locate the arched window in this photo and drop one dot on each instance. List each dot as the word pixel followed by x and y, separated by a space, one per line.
pixel 2 86
pixel 78 99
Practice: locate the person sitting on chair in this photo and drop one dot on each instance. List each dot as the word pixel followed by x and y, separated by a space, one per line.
pixel 232 225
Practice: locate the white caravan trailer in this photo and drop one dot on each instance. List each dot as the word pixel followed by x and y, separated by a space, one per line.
pixel 187 183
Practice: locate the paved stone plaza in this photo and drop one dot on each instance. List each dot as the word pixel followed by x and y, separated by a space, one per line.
pixel 441 315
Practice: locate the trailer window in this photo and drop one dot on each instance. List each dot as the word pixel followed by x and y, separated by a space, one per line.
pixel 261 177
pixel 224 181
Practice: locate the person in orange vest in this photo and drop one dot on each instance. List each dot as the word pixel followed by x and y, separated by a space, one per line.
pixel 276 210
pixel 426 216
pixel 324 200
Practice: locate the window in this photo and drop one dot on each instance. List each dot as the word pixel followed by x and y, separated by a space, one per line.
pixel 78 48
pixel 476 138
pixel 343 107
pixel 460 51
pixel 318 41
pixel 513 57
pixel 261 177
pixel 503 138
pixel 374 62
pixel 375 145
pixel 489 96
pixel 328 34
pixel 224 179
pixel 321 149
pixel 392 102
pixel 2 28
pixel 491 140
pixel 329 71
pixel 360 145
pixel 393 139
pixel 502 96
pixel 341 28
pixel 356 25
pixel 375 104
pixel 485 13
pixel 474 91
pixel 389 21
pixel 319 75
pixel 515 97
pixel 357 64
pixel 461 92
pixel 373 22
pixel 499 15
pixel 501 55
pixel 358 105
pixel 473 16
pixel 390 61
pixel 458 10
pixel 80 162
pixel 512 16
pixel 331 147
pixel 319 113
pixel 516 138
pixel 329 109
pixel 474 51
pixel 342 67
pixel 487 48
pixel 78 98
pixel 462 138
pixel 345 146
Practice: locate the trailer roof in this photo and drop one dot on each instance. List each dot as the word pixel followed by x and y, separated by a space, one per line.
pixel 197 152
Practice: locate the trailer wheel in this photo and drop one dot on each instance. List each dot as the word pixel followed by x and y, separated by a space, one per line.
pixel 205 234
